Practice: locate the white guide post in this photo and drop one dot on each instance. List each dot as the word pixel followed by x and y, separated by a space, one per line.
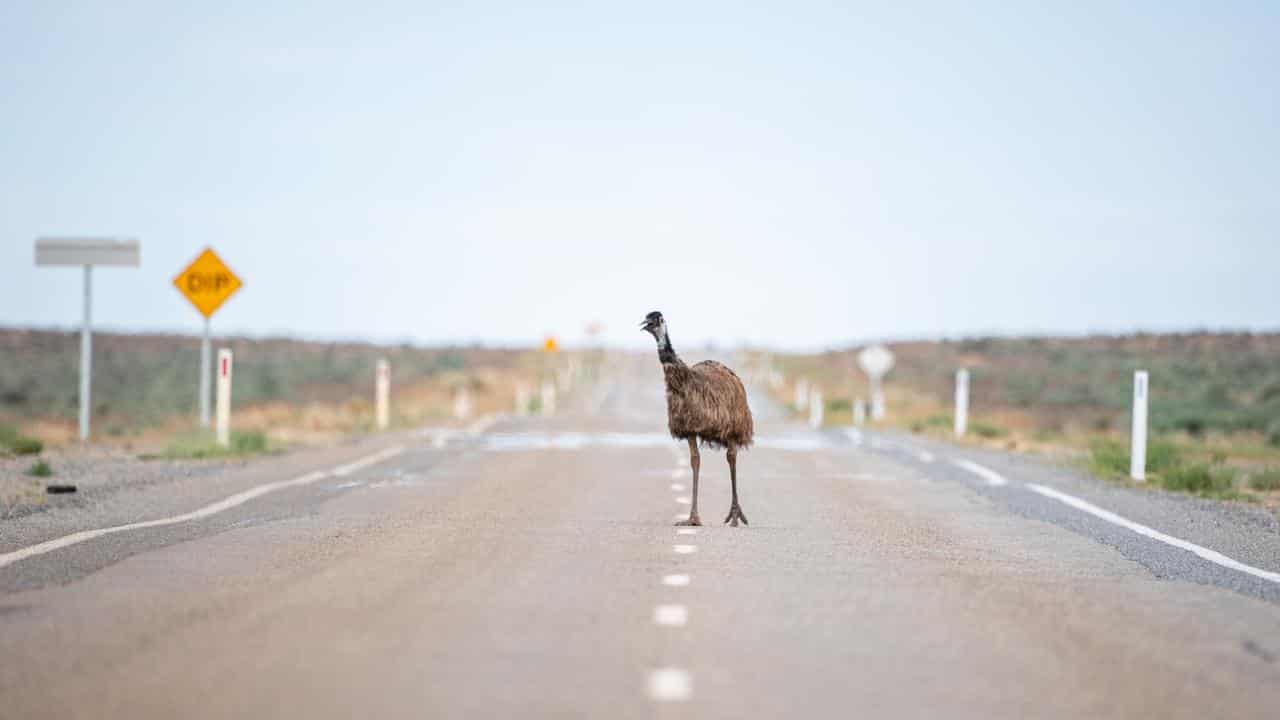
pixel 802 394
pixel 462 403
pixel 1138 458
pixel 859 412
pixel 382 394
pixel 223 410
pixel 522 399
pixel 86 354
pixel 962 401
pixel 206 350
pixel 815 408
pixel 548 398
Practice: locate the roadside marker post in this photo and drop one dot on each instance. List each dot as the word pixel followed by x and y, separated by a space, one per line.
pixel 223 410
pixel 87 252
pixel 462 403
pixel 522 399
pixel 802 394
pixel 548 398
pixel 206 283
pixel 382 394
pixel 1138 453
pixel 815 408
pixel 962 401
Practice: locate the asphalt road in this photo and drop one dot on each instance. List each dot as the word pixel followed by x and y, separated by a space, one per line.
pixel 530 568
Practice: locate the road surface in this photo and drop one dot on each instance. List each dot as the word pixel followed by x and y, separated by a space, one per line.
pixel 530 568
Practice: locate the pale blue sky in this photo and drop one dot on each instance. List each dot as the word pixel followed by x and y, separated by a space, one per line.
pixel 793 174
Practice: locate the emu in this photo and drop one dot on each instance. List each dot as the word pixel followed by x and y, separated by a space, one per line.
pixel 705 402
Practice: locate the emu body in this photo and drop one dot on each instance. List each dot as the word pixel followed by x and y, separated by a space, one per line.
pixel 707 404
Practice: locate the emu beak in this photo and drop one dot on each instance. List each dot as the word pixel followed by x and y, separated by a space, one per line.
pixel 644 324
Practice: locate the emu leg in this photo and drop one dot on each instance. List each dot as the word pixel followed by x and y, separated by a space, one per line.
pixel 735 511
pixel 695 461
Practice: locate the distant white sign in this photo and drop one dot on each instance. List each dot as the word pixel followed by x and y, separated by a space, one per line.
pixel 875 361
pixel 88 251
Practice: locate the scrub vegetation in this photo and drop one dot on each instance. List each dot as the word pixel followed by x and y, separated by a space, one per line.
pixel 144 388
pixel 1214 408
pixel 203 445
pixel 14 443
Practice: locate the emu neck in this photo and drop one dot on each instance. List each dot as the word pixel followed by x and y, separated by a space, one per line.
pixel 666 354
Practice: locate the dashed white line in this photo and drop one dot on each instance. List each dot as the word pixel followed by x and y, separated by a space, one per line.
pixel 684 500
pixel 239 498
pixel 1210 555
pixel 686 530
pixel 925 456
pixel 677 474
pixel 678 580
pixel 677 487
pixel 992 477
pixel 684 549
pixel 670 685
pixel 670 615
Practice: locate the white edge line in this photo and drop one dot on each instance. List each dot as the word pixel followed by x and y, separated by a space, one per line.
pixel 227 503
pixel 1210 555
pixel 992 477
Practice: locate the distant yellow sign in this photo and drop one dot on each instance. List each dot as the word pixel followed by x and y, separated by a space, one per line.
pixel 207 282
pixel 550 345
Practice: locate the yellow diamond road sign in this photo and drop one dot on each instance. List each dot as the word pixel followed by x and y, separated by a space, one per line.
pixel 207 282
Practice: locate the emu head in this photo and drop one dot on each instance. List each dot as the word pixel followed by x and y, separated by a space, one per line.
pixel 654 325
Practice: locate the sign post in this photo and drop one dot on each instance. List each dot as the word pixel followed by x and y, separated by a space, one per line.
pixel 802 394
pixel 1138 447
pixel 876 361
pixel 816 406
pixel 206 283
pixel 87 252
pixel 962 401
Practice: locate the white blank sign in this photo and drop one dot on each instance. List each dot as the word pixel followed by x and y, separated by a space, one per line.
pixel 88 251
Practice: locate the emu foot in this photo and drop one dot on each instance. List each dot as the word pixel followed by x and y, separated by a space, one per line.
pixel 693 521
pixel 735 514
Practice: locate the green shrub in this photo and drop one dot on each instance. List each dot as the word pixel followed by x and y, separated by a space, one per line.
pixel 938 421
pixel 987 430
pixel 1199 478
pixel 26 446
pixel 204 445
pixel 1162 455
pixel 18 444
pixel 839 405
pixel 40 469
pixel 1266 480
pixel 1108 458
pixel 248 443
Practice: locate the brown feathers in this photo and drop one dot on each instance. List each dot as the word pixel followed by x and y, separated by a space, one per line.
pixel 707 401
